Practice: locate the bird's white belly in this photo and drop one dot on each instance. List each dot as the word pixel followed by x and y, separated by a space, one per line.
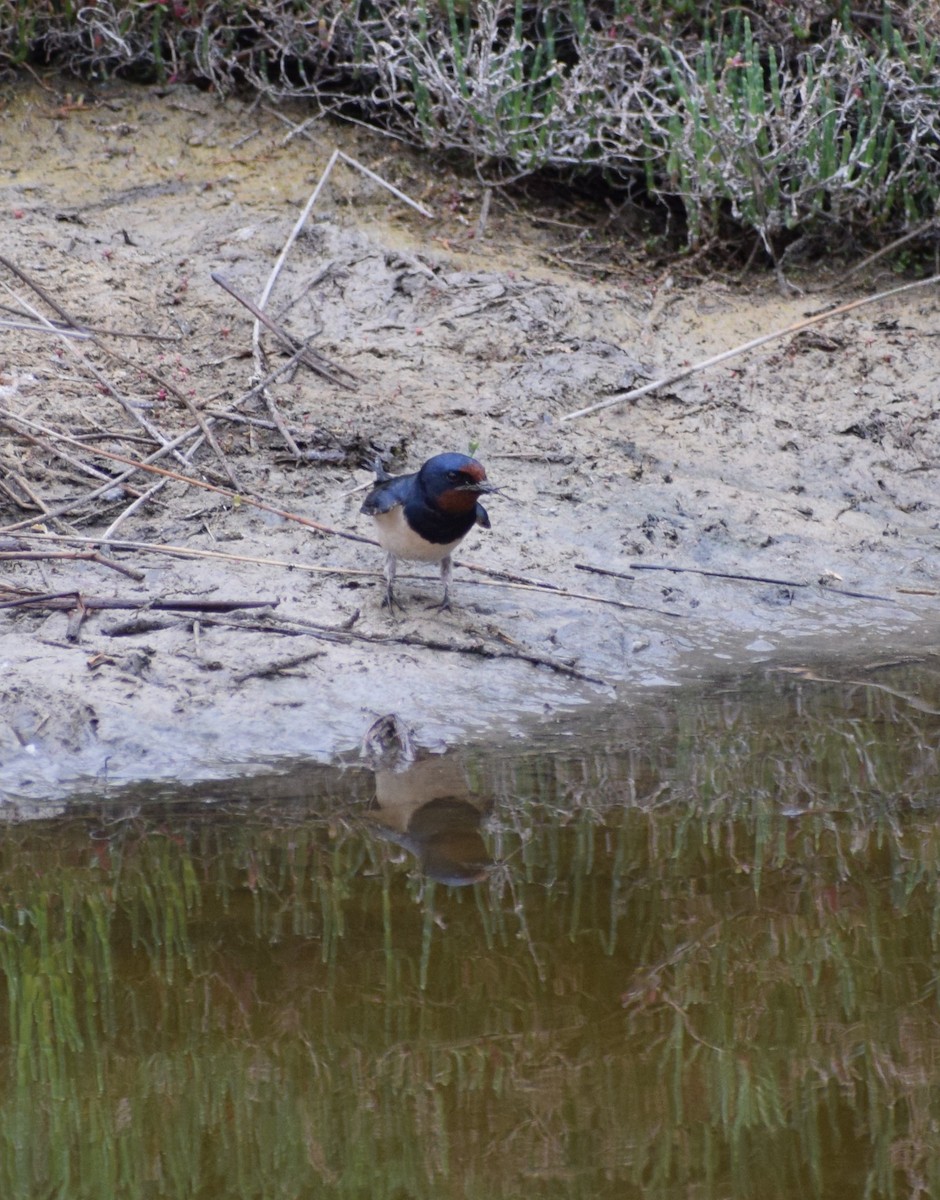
pixel 397 537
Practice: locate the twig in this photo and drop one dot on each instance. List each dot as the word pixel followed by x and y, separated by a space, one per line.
pixel 502 579
pixel 68 600
pixel 285 250
pixel 34 497
pixel 89 366
pixel 27 327
pixel 396 192
pixel 84 330
pixel 540 585
pixel 914 701
pixel 705 363
pixel 76 555
pixel 43 294
pixel 307 355
pixel 890 248
pixel 50 448
pixel 603 571
pixel 237 145
pixel 554 589
pixel 216 555
pixel 18 500
pixel 143 465
pixel 194 412
pixel 295 628
pixel 796 583
pixel 278 668
pixel 141 499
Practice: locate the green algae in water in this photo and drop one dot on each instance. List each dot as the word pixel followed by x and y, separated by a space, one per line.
pixel 702 962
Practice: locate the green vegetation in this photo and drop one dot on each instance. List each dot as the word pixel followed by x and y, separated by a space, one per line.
pixel 812 121
pixel 705 966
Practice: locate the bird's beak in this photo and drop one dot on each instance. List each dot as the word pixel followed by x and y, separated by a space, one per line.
pixel 481 487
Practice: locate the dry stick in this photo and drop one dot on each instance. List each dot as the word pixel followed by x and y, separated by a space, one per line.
pixel 603 571
pixel 142 499
pixel 152 430
pixel 508 580
pixel 797 583
pixel 75 555
pixel 890 248
pixel 237 497
pixel 120 479
pixel 240 419
pixel 329 633
pixel 24 327
pixel 67 600
pixel 41 292
pixel 279 423
pixel 77 463
pixel 36 499
pixel 277 668
pixel 501 579
pixel 914 701
pixel 215 555
pixel 84 331
pixel 282 257
pixel 400 195
pixel 146 497
pixel 307 354
pixel 109 387
pixel 676 376
pixel 18 500
pixel 265 296
pixel 204 425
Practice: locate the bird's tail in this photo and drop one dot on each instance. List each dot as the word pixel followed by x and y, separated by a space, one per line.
pixel 379 469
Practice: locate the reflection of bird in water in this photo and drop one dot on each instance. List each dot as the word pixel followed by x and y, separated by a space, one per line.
pixel 425 806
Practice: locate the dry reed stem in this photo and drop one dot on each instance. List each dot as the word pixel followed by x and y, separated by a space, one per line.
pixel 705 363
pixel 510 583
pixel 109 388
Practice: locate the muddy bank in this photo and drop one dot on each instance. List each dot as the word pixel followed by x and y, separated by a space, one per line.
pixel 813 461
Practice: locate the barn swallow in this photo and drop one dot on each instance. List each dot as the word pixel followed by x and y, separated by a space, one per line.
pixel 424 517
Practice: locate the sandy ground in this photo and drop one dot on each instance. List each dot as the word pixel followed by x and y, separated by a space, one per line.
pixel 811 461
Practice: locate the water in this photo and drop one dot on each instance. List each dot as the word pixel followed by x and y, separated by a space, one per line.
pixel 700 960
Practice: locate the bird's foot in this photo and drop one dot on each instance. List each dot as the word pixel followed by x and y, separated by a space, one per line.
pixel 391 602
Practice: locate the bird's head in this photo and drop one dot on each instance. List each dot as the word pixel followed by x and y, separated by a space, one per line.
pixel 453 482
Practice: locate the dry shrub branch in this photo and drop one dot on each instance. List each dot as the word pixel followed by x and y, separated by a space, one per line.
pixel 787 121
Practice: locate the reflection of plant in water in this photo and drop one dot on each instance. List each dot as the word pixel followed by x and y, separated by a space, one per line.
pixel 705 960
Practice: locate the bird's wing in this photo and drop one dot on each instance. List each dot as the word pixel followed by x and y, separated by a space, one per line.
pixel 387 494
pixel 483 517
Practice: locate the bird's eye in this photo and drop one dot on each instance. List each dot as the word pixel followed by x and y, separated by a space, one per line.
pixel 453 475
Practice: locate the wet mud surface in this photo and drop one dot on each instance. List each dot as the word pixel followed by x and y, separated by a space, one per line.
pixel 810 465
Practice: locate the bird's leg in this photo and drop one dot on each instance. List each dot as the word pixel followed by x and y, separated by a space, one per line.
pixel 447 574
pixel 391 565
